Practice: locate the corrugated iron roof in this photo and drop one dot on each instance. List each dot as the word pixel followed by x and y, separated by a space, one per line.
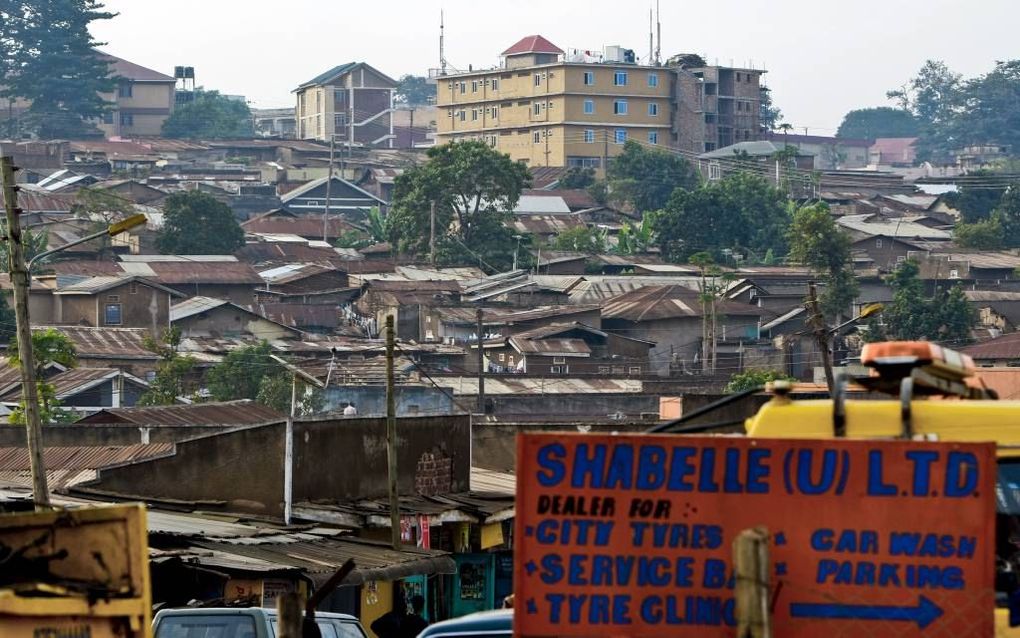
pixel 243 412
pixel 1000 348
pixel 111 343
pixel 83 457
pixel 551 347
pixel 505 316
pixel 652 303
pixel 485 480
pixel 523 385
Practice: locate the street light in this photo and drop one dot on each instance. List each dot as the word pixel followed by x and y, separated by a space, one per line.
pixel 21 281
pixel 116 228
pixel 516 249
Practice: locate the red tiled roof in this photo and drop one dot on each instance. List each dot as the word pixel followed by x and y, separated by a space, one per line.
pixel 533 44
pixel 135 72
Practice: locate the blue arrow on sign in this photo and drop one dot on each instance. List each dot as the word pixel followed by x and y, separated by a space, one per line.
pixel 923 614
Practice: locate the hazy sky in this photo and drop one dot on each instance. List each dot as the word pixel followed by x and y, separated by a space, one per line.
pixel 824 57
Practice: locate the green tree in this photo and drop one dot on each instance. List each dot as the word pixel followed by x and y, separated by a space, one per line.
pixel 173 371
pixel 770 114
pixel 817 242
pixel 195 223
pixel 882 121
pixel 977 196
pixel 935 97
pixel 581 240
pixel 980 235
pixel 275 391
pixel 991 109
pixel 644 178
pixel 577 177
pixel 636 238
pixel 210 116
pixel 748 379
pixel 49 346
pixel 241 373
pixel 741 212
pixel 49 59
pixel 101 208
pixel 32 243
pixel 914 315
pixel 475 189
pixel 1007 214
pixel 415 90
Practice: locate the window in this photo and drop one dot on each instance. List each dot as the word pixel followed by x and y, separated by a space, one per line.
pixel 653 109
pixel 653 137
pixel 603 369
pixel 462 115
pixel 589 107
pixel 653 79
pixel 463 88
pixel 127 119
pixel 495 112
pixel 900 259
pixel 538 79
pixel 554 370
pixel 560 360
pixel 495 84
pixel 619 107
pixel 474 86
pixel 108 117
pixel 449 113
pixel 589 136
pixel 589 78
pixel 133 288
pixel 510 359
pixel 878 243
pixel 112 314
pixel 502 356
pixel 634 370
pixel 340 121
pixel 620 136
pixel 474 115
pixel 714 172
pixel 340 95
pixel 536 108
pixel 536 137
pixel 125 89
pixel 620 78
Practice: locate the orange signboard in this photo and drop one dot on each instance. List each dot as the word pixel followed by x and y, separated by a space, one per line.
pixel 632 535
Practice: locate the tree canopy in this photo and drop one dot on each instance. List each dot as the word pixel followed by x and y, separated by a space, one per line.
pixel 882 121
pixel 577 177
pixel 210 116
pixel 741 212
pixel 195 223
pixel 817 242
pixel 913 314
pixel 414 90
pixel 48 346
pixel 173 371
pixel 644 178
pixel 475 189
pixel 49 58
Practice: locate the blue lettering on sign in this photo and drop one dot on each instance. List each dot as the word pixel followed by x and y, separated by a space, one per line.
pixel 805 461
pixel 552 569
pixel 922 460
pixel 652 459
pixel 705 481
pixel 961 474
pixel 876 487
pixel 591 468
pixel 757 470
pixel 732 483
pixel 621 468
pixel 550 459
pixel 680 468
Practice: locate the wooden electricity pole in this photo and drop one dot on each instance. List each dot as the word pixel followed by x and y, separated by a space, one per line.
pixel 20 280
pixel 481 362
pixel 821 330
pixel 751 566
pixel 288 614
pixel 391 437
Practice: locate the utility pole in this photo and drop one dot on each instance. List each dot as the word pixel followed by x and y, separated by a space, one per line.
pixel 329 185
pixel 481 362
pixel 432 233
pixel 391 437
pixel 751 567
pixel 410 138
pixel 20 280
pixel 821 330
pixel 288 613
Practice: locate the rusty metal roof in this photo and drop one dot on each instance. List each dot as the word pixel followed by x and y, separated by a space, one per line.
pixel 551 347
pixel 1000 348
pixel 504 316
pixel 70 382
pixel 83 457
pixel 652 303
pixel 107 343
pixel 199 271
pixel 244 412
pixel 303 226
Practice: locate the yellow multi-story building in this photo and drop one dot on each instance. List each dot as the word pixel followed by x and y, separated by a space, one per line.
pixel 547 111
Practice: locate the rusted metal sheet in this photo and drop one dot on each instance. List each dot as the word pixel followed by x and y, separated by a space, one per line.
pixel 243 412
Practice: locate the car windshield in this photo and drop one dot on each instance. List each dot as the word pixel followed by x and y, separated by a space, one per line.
pixel 206 627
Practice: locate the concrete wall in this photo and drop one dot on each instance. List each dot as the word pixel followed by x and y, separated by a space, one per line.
pixel 346 459
pixel 243 467
pixel 371 400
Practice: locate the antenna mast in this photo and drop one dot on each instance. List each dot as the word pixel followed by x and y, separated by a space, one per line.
pixel 442 54
pixel 651 47
pixel 658 37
